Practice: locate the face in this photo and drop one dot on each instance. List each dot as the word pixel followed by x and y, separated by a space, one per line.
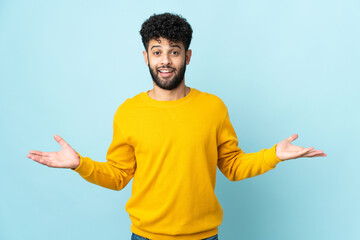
pixel 167 62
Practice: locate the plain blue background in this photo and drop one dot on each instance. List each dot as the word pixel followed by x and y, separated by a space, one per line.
pixel 281 67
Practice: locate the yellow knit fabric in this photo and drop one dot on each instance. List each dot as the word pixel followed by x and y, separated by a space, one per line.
pixel 172 150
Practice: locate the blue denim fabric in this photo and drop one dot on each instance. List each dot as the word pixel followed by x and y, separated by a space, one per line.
pixel 215 237
pixel 137 237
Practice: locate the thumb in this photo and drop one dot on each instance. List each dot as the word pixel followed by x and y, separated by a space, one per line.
pixel 293 137
pixel 60 140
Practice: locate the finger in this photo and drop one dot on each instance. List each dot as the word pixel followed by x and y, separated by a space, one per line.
pixel 293 137
pixel 305 151
pixel 315 153
pixel 39 159
pixel 44 154
pixel 61 141
pixel 320 155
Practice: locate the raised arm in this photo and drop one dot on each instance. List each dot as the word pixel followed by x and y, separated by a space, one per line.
pixel 114 174
pixel 237 165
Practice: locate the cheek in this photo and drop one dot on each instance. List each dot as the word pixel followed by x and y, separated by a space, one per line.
pixel 152 67
pixel 152 63
pixel 179 62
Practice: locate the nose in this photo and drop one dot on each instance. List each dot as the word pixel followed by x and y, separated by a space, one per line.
pixel 166 60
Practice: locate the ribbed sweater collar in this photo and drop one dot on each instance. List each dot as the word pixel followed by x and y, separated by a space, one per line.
pixel 172 103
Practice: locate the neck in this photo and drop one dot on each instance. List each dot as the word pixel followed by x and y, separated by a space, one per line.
pixel 169 95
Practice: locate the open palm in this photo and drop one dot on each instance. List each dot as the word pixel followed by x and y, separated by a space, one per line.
pixel 65 158
pixel 285 150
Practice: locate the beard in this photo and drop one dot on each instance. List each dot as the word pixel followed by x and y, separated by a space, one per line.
pixel 168 84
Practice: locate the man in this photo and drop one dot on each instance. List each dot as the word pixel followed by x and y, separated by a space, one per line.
pixel 171 139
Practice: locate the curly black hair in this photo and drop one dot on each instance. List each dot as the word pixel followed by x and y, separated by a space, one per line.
pixel 173 27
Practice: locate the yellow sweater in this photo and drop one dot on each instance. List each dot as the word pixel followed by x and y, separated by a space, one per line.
pixel 172 150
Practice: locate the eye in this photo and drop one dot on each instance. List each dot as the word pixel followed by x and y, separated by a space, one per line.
pixel 156 53
pixel 175 52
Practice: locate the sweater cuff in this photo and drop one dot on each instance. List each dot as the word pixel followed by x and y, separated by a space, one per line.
pixel 86 166
pixel 270 157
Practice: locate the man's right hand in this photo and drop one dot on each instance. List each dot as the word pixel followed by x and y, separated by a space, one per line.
pixel 67 157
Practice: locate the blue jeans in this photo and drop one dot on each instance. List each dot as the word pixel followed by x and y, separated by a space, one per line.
pixel 137 237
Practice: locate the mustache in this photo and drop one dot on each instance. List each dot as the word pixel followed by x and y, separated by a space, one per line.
pixel 165 67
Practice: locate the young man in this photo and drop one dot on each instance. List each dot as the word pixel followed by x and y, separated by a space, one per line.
pixel 171 139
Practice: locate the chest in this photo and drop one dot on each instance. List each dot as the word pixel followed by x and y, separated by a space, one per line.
pixel 156 129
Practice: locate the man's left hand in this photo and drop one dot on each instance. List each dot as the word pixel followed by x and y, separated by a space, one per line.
pixel 285 150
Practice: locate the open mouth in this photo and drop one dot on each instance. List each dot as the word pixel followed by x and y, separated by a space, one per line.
pixel 166 72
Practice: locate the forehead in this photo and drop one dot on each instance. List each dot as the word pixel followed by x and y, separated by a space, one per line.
pixel 163 42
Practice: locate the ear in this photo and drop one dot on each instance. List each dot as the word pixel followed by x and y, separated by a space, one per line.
pixel 146 58
pixel 188 56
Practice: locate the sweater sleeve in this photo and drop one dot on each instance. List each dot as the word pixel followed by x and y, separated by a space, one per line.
pixel 234 163
pixel 119 168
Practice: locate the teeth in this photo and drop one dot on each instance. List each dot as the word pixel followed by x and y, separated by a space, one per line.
pixel 165 71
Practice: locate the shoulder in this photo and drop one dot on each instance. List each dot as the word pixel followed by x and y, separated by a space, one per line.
pixel 128 105
pixel 211 100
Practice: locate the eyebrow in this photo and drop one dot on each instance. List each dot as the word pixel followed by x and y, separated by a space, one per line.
pixel 174 45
